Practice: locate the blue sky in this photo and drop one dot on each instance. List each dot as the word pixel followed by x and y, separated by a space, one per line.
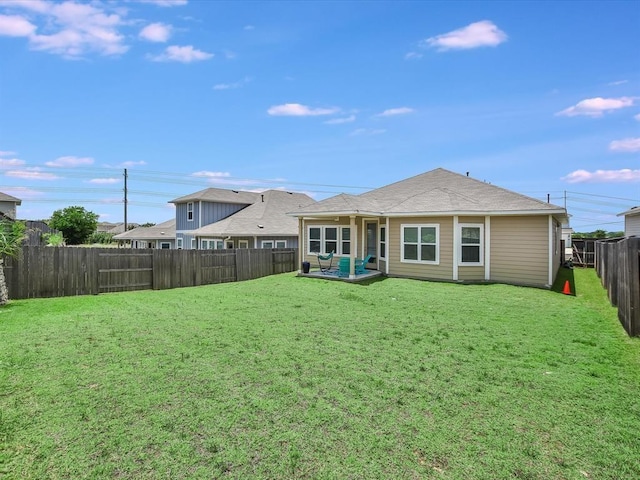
pixel 320 97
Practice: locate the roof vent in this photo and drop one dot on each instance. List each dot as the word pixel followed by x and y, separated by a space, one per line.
pixel 260 226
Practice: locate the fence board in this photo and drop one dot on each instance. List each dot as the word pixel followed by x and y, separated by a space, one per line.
pixel 618 266
pixel 68 271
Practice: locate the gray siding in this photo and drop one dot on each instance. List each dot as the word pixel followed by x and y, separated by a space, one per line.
pixel 8 208
pixel 632 225
pixel 214 212
pixel 211 212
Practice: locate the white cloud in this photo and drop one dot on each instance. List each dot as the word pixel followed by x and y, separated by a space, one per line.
pixel 249 27
pixel 186 54
pixel 70 161
pixel 113 200
pixel 478 34
pixel 412 55
pixel 637 117
pixel 338 121
pixel 165 3
pixel 298 110
pixel 156 32
pixel 625 145
pixel 207 174
pixel 22 192
pixel 104 181
pixel 33 173
pixel 11 163
pixel 360 132
pixel 596 107
pixel 619 82
pixel 15 26
pixel 6 153
pixel 603 176
pixel 81 29
pixel 230 86
pixel 396 111
pixel 132 163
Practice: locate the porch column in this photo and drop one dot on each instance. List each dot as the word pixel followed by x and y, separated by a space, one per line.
pixel 487 248
pixel 301 243
pixel 352 252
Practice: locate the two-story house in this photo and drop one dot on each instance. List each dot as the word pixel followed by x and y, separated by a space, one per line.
pixel 217 218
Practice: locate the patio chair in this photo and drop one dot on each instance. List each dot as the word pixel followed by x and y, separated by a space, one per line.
pixel 343 267
pixel 361 265
pixel 325 258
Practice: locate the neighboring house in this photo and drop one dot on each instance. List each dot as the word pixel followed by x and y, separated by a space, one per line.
pixel 8 205
pixel 217 218
pixel 631 221
pixel 439 226
pixel 162 235
pixel 114 228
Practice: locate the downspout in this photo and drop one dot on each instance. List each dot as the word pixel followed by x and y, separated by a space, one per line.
pixel 551 248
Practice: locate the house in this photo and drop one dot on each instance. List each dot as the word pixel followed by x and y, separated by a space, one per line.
pixel 631 221
pixel 217 218
pixel 162 235
pixel 8 205
pixel 114 228
pixel 439 225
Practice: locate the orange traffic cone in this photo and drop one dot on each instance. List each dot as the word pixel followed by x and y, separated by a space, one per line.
pixel 567 288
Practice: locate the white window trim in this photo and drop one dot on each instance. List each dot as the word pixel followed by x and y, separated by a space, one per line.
pixel 207 242
pixel 480 245
pixel 165 243
pixel 262 243
pixel 194 244
pixel 189 212
pixel 380 242
pixel 280 241
pixel 243 243
pixel 338 240
pixel 420 225
pixel 179 243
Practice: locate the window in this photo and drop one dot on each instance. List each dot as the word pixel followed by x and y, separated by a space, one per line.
pixel 190 211
pixel 212 244
pixel 267 244
pixel 420 244
pixel 193 244
pixel 346 241
pixel 179 243
pixel 165 245
pixel 471 244
pixel 383 242
pixel 243 243
pixel 324 239
pixel 281 244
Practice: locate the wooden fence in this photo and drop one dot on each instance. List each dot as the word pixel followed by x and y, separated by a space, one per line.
pixel 618 266
pixel 68 271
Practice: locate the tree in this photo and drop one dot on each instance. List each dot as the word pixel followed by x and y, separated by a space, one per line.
pixel 11 237
pixel 75 223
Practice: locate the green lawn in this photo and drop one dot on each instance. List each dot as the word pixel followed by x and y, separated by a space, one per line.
pixel 287 377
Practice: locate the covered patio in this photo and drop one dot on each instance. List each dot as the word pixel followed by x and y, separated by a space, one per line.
pixel 333 274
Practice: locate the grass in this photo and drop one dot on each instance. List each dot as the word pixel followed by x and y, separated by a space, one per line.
pixel 287 377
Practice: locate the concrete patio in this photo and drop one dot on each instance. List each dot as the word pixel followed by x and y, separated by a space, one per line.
pixel 333 275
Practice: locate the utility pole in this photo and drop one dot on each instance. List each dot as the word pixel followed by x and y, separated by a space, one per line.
pixel 125 200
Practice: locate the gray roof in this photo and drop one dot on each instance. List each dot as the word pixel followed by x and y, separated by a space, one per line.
pixel 165 230
pixel 632 212
pixel 8 198
pixel 437 192
pixel 220 195
pixel 268 216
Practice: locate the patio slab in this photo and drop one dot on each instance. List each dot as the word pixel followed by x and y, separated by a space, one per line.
pixel 333 275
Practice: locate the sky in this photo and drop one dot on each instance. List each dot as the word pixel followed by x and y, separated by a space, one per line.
pixel 542 98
